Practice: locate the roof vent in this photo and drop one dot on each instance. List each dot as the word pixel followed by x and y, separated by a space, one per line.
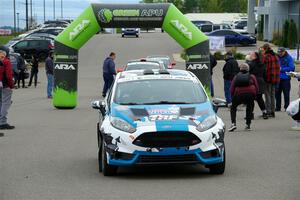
pixel 148 72
pixel 163 71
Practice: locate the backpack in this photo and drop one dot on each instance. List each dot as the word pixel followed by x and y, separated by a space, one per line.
pixel 242 79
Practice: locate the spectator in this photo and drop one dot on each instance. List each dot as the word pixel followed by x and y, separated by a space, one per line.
pixel 243 89
pixel 109 70
pixel 213 63
pixel 230 69
pixel 258 69
pixel 6 91
pixel 270 61
pixel 22 69
pixel 49 66
pixel 34 70
pixel 286 65
pixel 297 116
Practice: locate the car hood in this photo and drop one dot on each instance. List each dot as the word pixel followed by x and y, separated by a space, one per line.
pixel 164 117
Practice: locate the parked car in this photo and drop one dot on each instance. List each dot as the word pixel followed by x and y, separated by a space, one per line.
pixel 234 38
pixel 241 24
pixel 165 59
pixel 198 23
pixel 33 46
pixel 51 31
pixel 207 28
pixel 158 117
pixel 131 31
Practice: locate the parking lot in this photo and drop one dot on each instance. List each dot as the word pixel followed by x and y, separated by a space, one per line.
pixel 52 154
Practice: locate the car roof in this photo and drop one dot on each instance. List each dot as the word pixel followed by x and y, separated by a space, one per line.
pixel 158 56
pixel 155 74
pixel 222 30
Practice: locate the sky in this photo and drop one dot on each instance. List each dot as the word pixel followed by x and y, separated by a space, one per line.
pixel 71 9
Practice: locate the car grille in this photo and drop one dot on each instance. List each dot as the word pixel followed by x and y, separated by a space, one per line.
pixel 166 139
pixel 159 159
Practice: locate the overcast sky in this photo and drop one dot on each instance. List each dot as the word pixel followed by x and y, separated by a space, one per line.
pixel 71 9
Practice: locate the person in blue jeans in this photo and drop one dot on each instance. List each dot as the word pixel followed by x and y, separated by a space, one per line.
pixel 49 66
pixel 230 69
pixel 109 70
pixel 286 65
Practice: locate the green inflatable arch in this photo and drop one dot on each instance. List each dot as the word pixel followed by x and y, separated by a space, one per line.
pixel 96 16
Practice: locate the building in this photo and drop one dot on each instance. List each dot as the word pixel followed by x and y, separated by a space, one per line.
pixel 273 14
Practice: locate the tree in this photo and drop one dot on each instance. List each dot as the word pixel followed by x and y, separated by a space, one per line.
pixel 285 33
pixel 214 6
pixel 191 6
pixel 292 38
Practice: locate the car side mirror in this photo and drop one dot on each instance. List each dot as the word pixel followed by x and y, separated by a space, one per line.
pixel 215 107
pixel 99 105
pixel 120 70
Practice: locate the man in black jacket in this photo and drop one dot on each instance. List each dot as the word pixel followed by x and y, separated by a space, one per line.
pixel 230 69
pixel 109 70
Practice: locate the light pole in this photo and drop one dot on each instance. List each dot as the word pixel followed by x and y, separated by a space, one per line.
pixel 18 27
pixel 14 16
pixel 54 9
pixel 44 10
pixel 61 9
pixel 26 4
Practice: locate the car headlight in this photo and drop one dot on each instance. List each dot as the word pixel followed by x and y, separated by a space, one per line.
pixel 122 125
pixel 136 29
pixel 207 123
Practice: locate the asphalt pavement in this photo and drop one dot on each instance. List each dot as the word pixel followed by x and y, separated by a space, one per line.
pixel 52 154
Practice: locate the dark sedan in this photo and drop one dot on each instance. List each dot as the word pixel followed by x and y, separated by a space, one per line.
pixel 233 38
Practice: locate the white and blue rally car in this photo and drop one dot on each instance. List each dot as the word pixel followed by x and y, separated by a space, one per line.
pixel 153 117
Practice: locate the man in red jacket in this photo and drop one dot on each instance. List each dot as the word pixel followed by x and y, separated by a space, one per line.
pixel 244 88
pixel 271 63
pixel 6 90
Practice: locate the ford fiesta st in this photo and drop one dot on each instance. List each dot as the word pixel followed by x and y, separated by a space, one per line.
pixel 155 117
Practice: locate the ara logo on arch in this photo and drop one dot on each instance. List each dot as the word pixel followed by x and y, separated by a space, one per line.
pixel 78 29
pixel 64 67
pixel 192 66
pixel 105 15
pixel 182 29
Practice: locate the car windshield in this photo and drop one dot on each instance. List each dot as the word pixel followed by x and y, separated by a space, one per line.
pixel 165 60
pixel 144 66
pixel 157 91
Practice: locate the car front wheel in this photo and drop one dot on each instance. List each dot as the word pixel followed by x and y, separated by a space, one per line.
pixel 107 170
pixel 218 168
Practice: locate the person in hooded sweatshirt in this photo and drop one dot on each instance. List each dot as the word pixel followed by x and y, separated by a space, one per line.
pixel 230 69
pixel 286 65
pixel 244 89
pixel 258 69
pixel 109 70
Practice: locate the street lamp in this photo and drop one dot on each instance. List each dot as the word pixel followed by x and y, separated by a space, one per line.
pixel 61 9
pixel 18 27
pixel 54 9
pixel 14 16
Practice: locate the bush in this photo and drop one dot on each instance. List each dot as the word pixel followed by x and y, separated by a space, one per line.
pixel 285 33
pixel 218 55
pixel 292 37
pixel 277 38
pixel 239 56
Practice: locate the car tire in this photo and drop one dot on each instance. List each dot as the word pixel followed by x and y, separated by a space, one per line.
pixel 107 170
pixel 244 43
pixel 100 159
pixel 98 135
pixel 218 168
pixel 137 36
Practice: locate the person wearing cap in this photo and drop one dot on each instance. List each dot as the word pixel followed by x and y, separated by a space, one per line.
pixel 286 63
pixel 271 63
pixel 230 69
pixel 244 89
pixel 6 91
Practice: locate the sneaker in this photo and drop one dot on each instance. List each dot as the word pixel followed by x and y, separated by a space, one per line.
pixel 232 128
pixel 272 114
pixel 1 134
pixel 229 105
pixel 295 128
pixel 6 126
pixel 265 115
pixel 248 128
pixel 103 95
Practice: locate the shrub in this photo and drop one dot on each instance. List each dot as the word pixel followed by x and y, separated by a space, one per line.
pixel 218 55
pixel 292 37
pixel 239 56
pixel 277 38
pixel 285 33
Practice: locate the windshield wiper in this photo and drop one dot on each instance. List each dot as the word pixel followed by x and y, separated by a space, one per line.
pixel 167 102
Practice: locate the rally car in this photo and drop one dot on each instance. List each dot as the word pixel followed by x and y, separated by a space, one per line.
pixel 142 64
pixel 157 117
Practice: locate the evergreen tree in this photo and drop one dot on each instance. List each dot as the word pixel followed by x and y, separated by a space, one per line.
pixel 285 33
pixel 292 38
